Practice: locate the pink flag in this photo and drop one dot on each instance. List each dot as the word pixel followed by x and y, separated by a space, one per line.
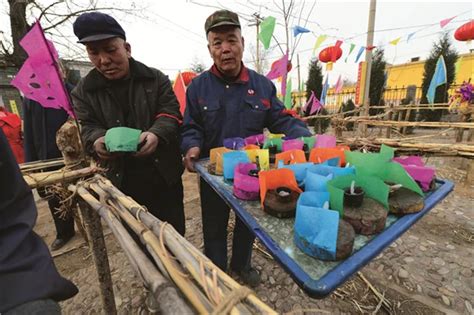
pixel 313 103
pixel 339 84
pixel 39 78
pixel 280 69
pixel 325 141
pixel 444 22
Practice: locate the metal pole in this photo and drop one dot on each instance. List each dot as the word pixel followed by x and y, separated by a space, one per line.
pixel 368 60
pixel 257 62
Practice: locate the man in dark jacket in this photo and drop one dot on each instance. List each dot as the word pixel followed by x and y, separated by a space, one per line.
pixel 227 101
pixel 29 281
pixel 121 91
pixel 40 125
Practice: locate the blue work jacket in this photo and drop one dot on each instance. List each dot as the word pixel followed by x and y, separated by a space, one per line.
pixel 216 109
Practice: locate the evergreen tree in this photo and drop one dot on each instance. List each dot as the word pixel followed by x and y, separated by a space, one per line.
pixel 450 55
pixel 315 79
pixel 315 84
pixel 377 81
pixel 347 107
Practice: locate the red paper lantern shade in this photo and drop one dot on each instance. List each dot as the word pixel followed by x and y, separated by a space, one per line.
pixel 330 54
pixel 465 32
pixel 188 76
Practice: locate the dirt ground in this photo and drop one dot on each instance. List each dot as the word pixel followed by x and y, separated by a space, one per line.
pixel 429 270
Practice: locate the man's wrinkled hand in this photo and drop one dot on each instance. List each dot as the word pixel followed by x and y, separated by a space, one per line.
pixel 100 149
pixel 191 157
pixel 149 142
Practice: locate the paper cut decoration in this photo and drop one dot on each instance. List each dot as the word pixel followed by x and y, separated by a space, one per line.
pixel 299 30
pixel 234 143
pixel 273 142
pixel 325 141
pixel 445 22
pixel 255 139
pixel 320 155
pixel 279 69
pixel 215 157
pixel 274 179
pixel 39 78
pixel 319 41
pixel 250 147
pixel 439 78
pixel 298 169
pixel 309 141
pixel 288 100
pixel 339 84
pixel 122 139
pixel 395 41
pixel 293 144
pixel 415 167
pixel 315 199
pixel 290 157
pixel 374 188
pixel 316 182
pixel 231 160
pixel 380 165
pixel 246 187
pixel 325 169
pixel 183 79
pixel 359 53
pixel 316 231
pixel 313 103
pixel 350 51
pixel 267 26
pixel 325 90
pixel 410 36
pixel 263 158
pixel 276 135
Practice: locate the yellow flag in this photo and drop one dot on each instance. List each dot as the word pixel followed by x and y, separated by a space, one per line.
pixel 395 41
pixel 319 41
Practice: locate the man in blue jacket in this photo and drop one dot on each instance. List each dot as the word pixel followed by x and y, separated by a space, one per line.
pixel 229 100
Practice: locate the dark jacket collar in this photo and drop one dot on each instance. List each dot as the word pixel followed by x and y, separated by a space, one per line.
pixel 94 80
pixel 242 78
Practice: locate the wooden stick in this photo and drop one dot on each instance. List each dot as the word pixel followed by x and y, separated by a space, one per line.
pixel 433 124
pixel 169 300
pixel 40 165
pixel 36 180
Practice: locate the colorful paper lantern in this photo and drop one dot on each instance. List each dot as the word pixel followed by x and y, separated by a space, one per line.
pixel 330 55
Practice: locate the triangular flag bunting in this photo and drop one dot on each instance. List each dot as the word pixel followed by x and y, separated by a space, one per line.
pixel 395 41
pixel 266 31
pixel 299 29
pixel 288 100
pixel 325 90
pixel 350 51
pixel 361 50
pixel 444 22
pixel 338 87
pixel 179 89
pixel 319 41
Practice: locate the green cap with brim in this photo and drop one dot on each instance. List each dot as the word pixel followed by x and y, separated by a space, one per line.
pixel 221 18
pixel 122 139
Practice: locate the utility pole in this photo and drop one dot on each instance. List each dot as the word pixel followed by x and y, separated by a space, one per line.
pixel 258 20
pixel 368 60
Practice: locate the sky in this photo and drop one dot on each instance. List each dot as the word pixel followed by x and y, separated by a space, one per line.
pixel 169 35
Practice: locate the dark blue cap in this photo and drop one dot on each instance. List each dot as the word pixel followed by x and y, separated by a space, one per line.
pixel 94 26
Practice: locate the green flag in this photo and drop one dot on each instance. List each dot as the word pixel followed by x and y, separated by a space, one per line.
pixel 288 100
pixel 267 27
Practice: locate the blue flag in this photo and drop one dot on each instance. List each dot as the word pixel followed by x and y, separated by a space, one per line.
pixel 299 29
pixel 324 91
pixel 439 78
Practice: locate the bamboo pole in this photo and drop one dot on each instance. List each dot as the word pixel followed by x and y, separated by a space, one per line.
pixel 95 236
pixel 165 293
pixel 40 165
pixel 400 144
pixel 186 253
pixel 417 123
pixel 36 180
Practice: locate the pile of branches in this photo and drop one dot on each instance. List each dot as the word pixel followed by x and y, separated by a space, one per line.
pixel 204 286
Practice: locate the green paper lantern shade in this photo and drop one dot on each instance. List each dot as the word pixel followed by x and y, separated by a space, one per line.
pixel 122 139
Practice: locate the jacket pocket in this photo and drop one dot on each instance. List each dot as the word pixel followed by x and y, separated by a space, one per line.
pixel 255 115
pixel 213 116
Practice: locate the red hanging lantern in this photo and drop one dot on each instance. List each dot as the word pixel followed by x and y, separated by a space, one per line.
pixel 465 32
pixel 330 55
pixel 188 76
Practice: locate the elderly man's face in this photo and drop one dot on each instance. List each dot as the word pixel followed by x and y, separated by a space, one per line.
pixel 110 57
pixel 226 46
